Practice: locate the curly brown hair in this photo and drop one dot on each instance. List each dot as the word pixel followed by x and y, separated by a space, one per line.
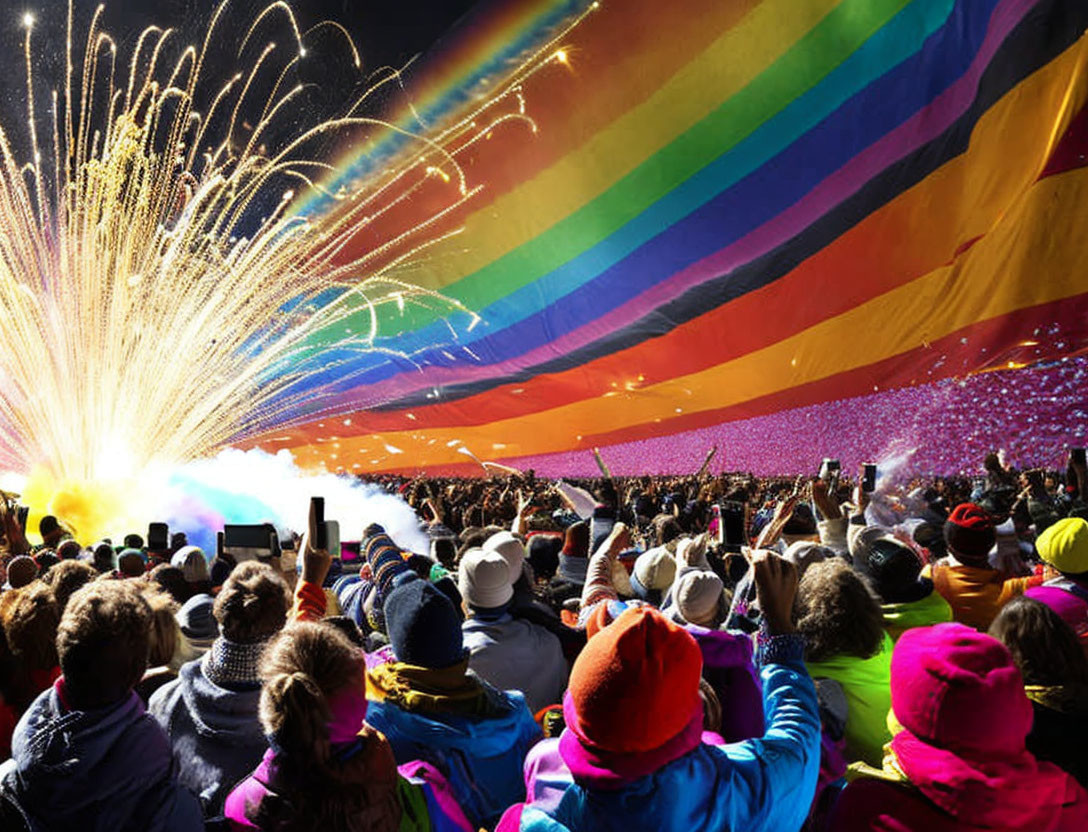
pixel 839 612
pixel 67 577
pixel 103 642
pixel 253 604
pixel 302 668
pixel 30 624
pixel 1043 646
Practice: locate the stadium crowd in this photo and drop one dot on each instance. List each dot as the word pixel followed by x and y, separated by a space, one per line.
pixel 653 653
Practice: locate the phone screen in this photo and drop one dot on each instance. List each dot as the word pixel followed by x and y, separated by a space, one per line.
pixel 733 532
pixel 318 532
pixel 868 481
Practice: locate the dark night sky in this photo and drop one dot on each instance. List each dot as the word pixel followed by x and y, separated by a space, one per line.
pixel 386 31
pixel 389 32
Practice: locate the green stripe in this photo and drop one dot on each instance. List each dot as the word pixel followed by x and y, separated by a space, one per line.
pixel 840 33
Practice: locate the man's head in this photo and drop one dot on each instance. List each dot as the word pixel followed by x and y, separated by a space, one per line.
pixel 103 643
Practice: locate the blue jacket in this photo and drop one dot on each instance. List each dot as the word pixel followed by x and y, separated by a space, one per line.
pixel 106 770
pixel 759 784
pixel 215 732
pixel 481 758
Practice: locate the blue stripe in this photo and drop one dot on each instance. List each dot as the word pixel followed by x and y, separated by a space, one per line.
pixel 734 200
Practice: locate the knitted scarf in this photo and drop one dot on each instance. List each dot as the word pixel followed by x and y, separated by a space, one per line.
pixel 449 690
pixel 231 665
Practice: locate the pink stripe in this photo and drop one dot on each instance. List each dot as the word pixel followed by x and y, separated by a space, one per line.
pixel 923 127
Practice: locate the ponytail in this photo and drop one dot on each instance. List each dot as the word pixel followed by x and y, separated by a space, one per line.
pixel 309 788
pixel 295 713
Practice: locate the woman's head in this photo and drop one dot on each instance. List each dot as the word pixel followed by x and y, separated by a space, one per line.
pixel 1042 645
pixel 313 702
pixel 252 606
pixel 305 670
pixel 840 614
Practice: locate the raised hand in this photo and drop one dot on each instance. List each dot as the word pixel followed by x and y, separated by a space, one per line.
pixel 776 587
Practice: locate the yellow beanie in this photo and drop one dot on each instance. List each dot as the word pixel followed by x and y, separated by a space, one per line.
pixel 1064 545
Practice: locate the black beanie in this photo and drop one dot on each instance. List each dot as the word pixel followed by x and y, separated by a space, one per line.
pixel 894 569
pixel 423 627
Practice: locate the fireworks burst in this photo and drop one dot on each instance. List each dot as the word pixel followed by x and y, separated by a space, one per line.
pixel 157 291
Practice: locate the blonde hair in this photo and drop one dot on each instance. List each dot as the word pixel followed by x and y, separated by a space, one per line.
pixel 165 634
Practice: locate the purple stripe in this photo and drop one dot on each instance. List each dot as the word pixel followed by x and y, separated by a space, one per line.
pixel 946 428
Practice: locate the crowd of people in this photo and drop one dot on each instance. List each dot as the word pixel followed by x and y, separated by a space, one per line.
pixel 668 653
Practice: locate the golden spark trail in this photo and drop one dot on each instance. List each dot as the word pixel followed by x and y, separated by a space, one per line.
pixel 150 314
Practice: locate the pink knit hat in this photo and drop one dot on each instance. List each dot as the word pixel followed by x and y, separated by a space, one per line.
pixel 958 689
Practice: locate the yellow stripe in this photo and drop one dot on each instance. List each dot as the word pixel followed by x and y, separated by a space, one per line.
pixel 725 67
pixel 1032 253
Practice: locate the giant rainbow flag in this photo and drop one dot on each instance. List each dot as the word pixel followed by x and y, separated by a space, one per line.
pixel 786 227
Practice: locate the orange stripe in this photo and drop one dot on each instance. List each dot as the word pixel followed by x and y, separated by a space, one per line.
pixel 1037 229
pixel 930 225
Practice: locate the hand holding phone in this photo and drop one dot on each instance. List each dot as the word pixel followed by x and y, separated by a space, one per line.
pixel 316 560
pixel 319 533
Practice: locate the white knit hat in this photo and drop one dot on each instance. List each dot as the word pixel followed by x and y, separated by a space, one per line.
pixel 511 549
pixel 191 561
pixel 484 579
pixel 698 596
pixel 655 569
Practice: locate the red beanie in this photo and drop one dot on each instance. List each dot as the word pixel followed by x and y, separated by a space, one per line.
pixel 958 689
pixel 636 683
pixel 969 533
